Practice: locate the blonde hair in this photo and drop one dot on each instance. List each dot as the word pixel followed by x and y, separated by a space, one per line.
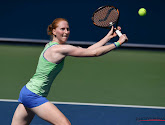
pixel 54 25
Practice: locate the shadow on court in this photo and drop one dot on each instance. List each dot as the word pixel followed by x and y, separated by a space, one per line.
pixel 94 114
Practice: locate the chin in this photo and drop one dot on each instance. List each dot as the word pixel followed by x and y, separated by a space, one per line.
pixel 64 40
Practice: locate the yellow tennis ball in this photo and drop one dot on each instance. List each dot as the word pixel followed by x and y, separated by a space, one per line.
pixel 142 12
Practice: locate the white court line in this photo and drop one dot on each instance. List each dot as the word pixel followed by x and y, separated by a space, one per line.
pixel 93 104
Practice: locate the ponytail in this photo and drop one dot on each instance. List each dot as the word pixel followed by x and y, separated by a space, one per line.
pixel 49 30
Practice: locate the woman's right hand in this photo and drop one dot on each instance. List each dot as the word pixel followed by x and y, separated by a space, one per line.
pixel 123 38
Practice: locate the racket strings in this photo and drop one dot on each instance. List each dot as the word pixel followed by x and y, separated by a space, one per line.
pixel 105 17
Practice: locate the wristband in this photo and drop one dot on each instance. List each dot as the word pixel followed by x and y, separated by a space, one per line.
pixel 117 44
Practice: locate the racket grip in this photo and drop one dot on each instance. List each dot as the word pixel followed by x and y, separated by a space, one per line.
pixel 118 33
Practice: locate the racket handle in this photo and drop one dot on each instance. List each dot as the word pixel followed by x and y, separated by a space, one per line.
pixel 118 33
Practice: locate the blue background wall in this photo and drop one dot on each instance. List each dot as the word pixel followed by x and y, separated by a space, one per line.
pixel 29 19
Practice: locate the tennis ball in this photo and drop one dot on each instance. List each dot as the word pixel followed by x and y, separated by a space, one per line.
pixel 142 12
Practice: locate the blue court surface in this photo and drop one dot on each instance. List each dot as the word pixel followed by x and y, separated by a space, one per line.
pixel 94 114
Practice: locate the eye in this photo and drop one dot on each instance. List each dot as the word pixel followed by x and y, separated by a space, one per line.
pixel 68 29
pixel 62 29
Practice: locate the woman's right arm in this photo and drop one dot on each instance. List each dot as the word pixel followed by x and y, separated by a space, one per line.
pixel 69 50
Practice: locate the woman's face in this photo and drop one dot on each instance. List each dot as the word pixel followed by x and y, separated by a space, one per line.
pixel 62 31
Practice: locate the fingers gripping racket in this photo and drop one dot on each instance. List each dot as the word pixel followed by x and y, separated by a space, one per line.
pixel 105 17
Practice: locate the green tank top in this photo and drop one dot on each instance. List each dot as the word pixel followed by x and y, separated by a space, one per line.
pixel 45 74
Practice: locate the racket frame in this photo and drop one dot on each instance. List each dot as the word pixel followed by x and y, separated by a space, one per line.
pixel 108 27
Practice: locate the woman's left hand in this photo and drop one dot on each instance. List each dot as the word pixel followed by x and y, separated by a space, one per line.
pixel 111 33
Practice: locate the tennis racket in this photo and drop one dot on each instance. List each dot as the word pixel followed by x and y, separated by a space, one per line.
pixel 105 17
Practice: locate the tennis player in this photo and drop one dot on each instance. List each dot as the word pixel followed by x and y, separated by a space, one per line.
pixel 33 95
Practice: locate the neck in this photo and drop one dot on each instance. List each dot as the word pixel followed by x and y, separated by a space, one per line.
pixel 55 40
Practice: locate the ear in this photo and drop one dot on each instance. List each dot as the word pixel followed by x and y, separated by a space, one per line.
pixel 54 32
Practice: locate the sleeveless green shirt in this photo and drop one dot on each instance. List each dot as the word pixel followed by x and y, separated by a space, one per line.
pixel 45 74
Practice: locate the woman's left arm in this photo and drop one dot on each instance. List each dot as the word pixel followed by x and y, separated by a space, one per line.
pixel 104 40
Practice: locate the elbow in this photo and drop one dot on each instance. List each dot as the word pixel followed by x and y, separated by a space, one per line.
pixel 96 53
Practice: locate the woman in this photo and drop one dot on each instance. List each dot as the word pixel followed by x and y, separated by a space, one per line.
pixel 33 95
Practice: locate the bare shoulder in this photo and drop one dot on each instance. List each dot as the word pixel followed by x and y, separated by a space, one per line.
pixel 63 48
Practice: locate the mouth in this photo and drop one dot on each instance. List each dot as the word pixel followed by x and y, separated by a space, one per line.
pixel 65 36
